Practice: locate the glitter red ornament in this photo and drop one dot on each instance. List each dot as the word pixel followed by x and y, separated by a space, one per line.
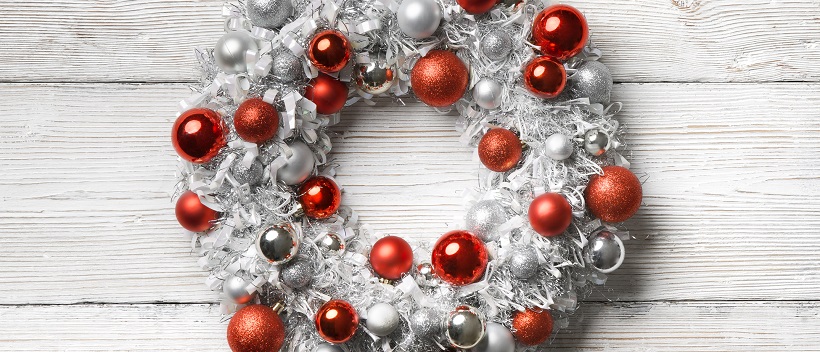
pixel 192 214
pixel 198 134
pixel 391 257
pixel 532 326
pixel 320 197
pixel 499 150
pixel 561 31
pixel 545 77
pixel 256 121
pixel 256 328
pixel 337 321
pixel 614 196
pixel 329 51
pixel 328 93
pixel 459 258
pixel 476 7
pixel 440 78
pixel 550 214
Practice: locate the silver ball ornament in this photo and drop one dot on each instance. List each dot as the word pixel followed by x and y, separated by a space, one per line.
pixel 605 252
pixel 278 243
pixel 332 243
pixel 484 219
pixel 269 13
pixel 426 275
pixel 235 287
pixel 465 327
pixel 326 347
pixel 231 51
pixel 425 323
pixel 497 339
pixel 382 319
pixel 596 142
pixel 487 93
pixel 524 263
pixel 419 19
pixel 559 146
pixel 297 273
pixel 247 175
pixel 375 77
pixel 496 45
pixel 286 67
pixel 593 80
pixel 299 166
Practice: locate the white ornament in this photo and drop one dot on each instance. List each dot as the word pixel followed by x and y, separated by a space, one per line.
pixel 419 19
pixel 382 319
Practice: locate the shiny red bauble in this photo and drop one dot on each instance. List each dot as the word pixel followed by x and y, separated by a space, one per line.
pixel 337 321
pixel 440 78
pixel 192 214
pixel 550 214
pixel 561 31
pixel 328 93
pixel 329 51
pixel 320 197
pixel 499 150
pixel 614 196
pixel 391 257
pixel 545 77
pixel 476 7
pixel 256 121
pixel 256 328
pixel 532 326
pixel 198 135
pixel 459 258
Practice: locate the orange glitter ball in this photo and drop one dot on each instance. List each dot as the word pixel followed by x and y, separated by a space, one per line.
pixel 256 121
pixel 440 78
pixel 532 326
pixel 256 328
pixel 500 150
pixel 614 196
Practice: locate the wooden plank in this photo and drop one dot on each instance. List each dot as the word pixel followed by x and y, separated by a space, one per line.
pixel 643 40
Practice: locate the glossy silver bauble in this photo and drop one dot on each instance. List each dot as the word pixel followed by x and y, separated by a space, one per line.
pixel 278 243
pixel 236 288
pixel 465 327
pixel 596 142
pixel 332 243
pixel 487 93
pixel 375 77
pixel 419 19
pixel 559 147
pixel 299 165
pixel 231 51
pixel 605 252
pixel 497 338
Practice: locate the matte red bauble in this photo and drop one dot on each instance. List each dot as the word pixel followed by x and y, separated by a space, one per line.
pixel 198 135
pixel 256 121
pixel 532 326
pixel 192 214
pixel 499 150
pixel 256 328
pixel 476 7
pixel 550 214
pixel 440 78
pixel 561 31
pixel 329 94
pixel 459 258
pixel 614 196
pixel 545 77
pixel 329 51
pixel 337 321
pixel 320 197
pixel 391 257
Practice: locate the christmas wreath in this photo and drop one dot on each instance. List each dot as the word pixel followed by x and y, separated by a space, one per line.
pixel 297 270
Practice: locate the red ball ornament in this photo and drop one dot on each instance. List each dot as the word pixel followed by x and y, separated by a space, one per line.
pixel 476 7
pixel 545 77
pixel 391 257
pixel 192 214
pixel 329 51
pixel 198 135
pixel 440 78
pixel 320 197
pixel 532 326
pixel 256 328
pixel 329 94
pixel 550 214
pixel 459 258
pixel 499 150
pixel 337 321
pixel 256 121
pixel 614 196
pixel 561 31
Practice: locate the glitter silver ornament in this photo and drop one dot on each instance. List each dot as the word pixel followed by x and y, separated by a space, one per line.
pixel 425 323
pixel 236 288
pixel 419 19
pixel 326 347
pixel 496 45
pixel 299 166
pixel 231 51
pixel 524 263
pixel 278 243
pixel 487 93
pixel 382 319
pixel 592 80
pixel 269 13
pixel 286 67
pixel 484 218
pixel 332 243
pixel 596 142
pixel 297 273
pixel 465 327
pixel 559 146
pixel 247 175
pixel 497 338
pixel 376 76
pixel 605 252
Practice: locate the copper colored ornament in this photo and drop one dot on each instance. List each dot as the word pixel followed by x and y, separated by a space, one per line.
pixel 320 197
pixel 256 328
pixel 550 214
pixel 561 31
pixel 198 135
pixel 545 77
pixel 440 78
pixel 459 258
pixel 532 326
pixel 337 321
pixel 614 196
pixel 328 93
pixel 476 7
pixel 329 51
pixel 192 214
pixel 499 150
pixel 391 257
pixel 256 121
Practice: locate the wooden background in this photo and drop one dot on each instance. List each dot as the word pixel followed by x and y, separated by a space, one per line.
pixel 722 101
